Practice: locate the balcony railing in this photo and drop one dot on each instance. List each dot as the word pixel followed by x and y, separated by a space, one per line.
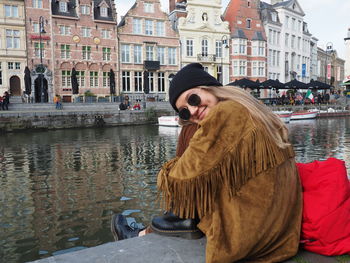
pixel 206 57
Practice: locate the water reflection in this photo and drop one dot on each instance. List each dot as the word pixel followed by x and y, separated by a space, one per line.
pixel 59 188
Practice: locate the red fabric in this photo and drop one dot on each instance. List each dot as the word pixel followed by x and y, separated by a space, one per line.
pixel 326 212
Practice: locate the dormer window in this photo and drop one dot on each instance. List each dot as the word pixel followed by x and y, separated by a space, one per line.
pixel 63 7
pixel 104 11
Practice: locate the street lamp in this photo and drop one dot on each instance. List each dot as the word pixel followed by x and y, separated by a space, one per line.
pixel 329 48
pixel 41 31
pixel 224 44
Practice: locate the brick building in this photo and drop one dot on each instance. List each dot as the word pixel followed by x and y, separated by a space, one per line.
pixel 77 34
pixel 248 40
pixel 149 51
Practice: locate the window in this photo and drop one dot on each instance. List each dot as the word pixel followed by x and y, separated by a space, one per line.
pixel 0 75
pixel 81 78
pixel 151 81
pixel 17 65
pixel 105 79
pixel 106 53
pixel 149 8
pixel 149 27
pixel 65 51
pixel 270 36
pixel 63 6
pixel 126 80
pixel 86 52
pixel 161 55
pixel 278 58
pixel 235 68
pixel 136 26
pixel 239 46
pixel 11 11
pixel 171 56
pixel 138 81
pixel 36 27
pixel 161 82
pixel 125 49
pixel 137 54
pixel 299 42
pixel 218 48
pixel 286 40
pixel 160 28
pixel 86 32
pixel 66 79
pixel 204 47
pixel 292 43
pixel 258 48
pixel 37 49
pixel 93 79
pixel 242 68
pixel 12 38
pixel 106 34
pixel 64 30
pixel 149 52
pixel 249 23
pixel 38 3
pixel 287 21
pixel 294 24
pixel 189 47
pixel 10 65
pixel 104 11
pixel 85 9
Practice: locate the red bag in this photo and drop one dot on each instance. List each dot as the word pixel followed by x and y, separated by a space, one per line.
pixel 326 212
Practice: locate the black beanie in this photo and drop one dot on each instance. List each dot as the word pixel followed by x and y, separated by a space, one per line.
pixel 190 76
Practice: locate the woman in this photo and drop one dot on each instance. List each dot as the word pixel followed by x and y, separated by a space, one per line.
pixel 238 174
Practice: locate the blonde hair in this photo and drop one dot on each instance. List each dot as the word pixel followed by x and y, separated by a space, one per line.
pixel 274 126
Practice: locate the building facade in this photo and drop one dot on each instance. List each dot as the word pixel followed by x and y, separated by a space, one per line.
pixel 291 49
pixel 347 56
pixel 204 36
pixel 149 52
pixel 331 68
pixel 67 34
pixel 13 57
pixel 314 73
pixel 248 40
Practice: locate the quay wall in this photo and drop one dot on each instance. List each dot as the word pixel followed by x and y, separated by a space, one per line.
pixel 41 120
pixel 84 115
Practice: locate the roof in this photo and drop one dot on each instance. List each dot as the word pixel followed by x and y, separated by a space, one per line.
pixel 258 36
pixel 238 33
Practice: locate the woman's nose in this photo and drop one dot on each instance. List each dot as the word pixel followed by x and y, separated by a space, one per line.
pixel 193 109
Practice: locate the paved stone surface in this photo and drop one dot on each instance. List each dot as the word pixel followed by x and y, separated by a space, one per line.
pixel 153 248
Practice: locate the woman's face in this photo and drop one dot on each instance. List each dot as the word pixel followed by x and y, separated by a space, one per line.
pixel 198 113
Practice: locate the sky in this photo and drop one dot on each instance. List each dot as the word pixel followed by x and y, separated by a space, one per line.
pixel 328 20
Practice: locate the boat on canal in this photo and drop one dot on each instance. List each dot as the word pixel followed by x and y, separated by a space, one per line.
pixel 303 115
pixel 172 121
pixel 285 116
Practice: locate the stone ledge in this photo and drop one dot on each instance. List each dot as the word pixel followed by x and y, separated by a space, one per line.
pixel 154 248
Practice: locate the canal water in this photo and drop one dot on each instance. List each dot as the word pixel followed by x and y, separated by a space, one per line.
pixel 58 189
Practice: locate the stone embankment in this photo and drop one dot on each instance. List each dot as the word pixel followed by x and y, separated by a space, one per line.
pixel 154 248
pixel 23 116
pixel 45 116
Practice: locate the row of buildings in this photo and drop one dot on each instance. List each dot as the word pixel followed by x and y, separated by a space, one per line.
pixel 147 47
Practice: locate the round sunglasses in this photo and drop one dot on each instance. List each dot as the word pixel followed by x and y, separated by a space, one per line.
pixel 193 100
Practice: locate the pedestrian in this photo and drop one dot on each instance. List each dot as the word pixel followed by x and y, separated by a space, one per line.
pixel 1 101
pixel 6 101
pixel 57 101
pixel 238 174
